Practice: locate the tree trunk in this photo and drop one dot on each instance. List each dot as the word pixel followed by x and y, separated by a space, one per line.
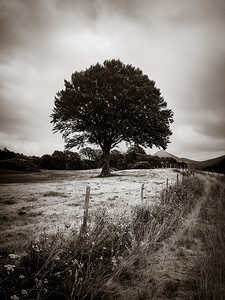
pixel 105 168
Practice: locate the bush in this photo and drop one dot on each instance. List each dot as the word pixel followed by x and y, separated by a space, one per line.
pixel 141 165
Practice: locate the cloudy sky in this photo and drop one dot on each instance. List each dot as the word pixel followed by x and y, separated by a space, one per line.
pixel 178 43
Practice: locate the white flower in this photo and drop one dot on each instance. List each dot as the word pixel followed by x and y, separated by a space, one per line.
pixel 14 256
pixel 38 283
pixel 14 297
pixel 75 262
pixel 21 277
pixel 24 292
pixel 9 268
pixel 114 262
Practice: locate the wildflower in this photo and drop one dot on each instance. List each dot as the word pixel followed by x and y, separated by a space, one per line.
pixel 104 248
pixel 14 256
pixel 57 274
pixel 9 268
pixel 67 225
pixel 45 291
pixel 38 283
pixel 101 258
pixel 14 297
pixel 76 275
pixel 114 262
pixel 21 277
pixel 75 262
pixel 24 293
pixel 57 258
pixel 46 281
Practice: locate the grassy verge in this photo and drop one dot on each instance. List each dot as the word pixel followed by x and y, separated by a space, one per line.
pixel 210 266
pixel 104 262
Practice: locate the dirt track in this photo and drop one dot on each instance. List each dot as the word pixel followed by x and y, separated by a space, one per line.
pixel 174 264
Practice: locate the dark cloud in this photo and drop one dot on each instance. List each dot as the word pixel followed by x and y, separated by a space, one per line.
pixel 180 44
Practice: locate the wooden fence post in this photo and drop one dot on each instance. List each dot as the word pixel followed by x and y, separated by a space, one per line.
pixel 142 193
pixel 86 207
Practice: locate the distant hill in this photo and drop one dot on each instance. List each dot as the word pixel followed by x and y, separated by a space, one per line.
pixel 162 153
pixel 207 163
pixel 214 164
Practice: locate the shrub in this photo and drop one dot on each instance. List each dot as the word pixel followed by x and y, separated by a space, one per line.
pixel 141 165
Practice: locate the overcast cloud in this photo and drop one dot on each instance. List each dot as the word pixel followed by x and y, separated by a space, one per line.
pixel 179 44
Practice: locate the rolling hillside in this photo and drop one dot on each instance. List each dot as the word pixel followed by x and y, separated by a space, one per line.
pixel 214 164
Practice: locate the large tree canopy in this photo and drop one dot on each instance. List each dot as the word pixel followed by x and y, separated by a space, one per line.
pixel 110 103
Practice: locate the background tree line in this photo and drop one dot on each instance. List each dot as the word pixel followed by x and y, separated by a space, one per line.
pixel 87 158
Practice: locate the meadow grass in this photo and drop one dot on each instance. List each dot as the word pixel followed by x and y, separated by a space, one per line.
pixel 103 261
pixel 210 266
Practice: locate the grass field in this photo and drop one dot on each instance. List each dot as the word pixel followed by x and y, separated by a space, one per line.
pixel 31 203
pixel 171 246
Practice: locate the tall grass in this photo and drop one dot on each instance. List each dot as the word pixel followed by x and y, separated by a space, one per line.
pixel 210 267
pixel 102 262
pixel 156 222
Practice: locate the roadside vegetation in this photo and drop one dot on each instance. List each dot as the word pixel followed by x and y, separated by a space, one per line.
pixel 210 266
pixel 113 259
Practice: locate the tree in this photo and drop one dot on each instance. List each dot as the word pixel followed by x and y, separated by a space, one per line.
pixel 88 153
pixel 58 160
pixel 136 149
pixel 6 154
pixel 110 103
pixel 46 161
pixel 116 159
pixel 73 161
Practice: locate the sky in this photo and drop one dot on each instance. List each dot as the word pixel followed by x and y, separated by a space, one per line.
pixel 178 44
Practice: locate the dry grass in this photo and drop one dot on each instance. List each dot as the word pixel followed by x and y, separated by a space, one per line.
pixel 210 267
pixel 47 200
pixel 110 261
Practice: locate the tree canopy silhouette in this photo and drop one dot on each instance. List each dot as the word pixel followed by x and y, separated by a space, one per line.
pixel 109 103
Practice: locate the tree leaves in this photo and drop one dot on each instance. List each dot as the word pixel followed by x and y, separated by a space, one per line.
pixel 108 103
